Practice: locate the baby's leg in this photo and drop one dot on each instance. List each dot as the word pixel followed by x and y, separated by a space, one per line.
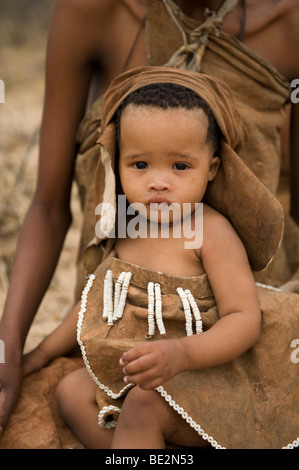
pixel 147 421
pixel 76 397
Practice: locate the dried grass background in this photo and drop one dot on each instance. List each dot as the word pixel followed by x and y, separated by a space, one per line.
pixel 23 35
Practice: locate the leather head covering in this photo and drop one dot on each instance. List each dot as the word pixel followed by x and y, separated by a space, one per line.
pixel 254 212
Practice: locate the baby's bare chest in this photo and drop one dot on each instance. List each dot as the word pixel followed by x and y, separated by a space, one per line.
pixel 165 255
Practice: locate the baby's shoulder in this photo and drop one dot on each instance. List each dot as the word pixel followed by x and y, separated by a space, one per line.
pixel 216 225
pixel 212 216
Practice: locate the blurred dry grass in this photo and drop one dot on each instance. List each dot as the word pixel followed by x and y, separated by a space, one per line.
pixel 23 35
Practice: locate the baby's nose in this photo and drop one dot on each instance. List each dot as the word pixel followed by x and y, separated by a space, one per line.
pixel 160 183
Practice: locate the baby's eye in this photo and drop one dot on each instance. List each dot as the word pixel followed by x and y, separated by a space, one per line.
pixel 180 166
pixel 140 165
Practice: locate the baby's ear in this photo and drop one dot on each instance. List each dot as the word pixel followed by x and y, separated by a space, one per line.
pixel 214 165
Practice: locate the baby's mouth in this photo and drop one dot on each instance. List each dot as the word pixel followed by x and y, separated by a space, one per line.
pixel 158 202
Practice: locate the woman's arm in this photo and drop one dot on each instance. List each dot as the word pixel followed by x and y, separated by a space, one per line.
pixel 59 343
pixel 41 238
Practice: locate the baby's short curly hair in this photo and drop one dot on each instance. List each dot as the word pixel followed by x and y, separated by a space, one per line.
pixel 167 96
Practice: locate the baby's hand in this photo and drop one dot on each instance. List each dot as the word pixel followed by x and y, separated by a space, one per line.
pixel 153 363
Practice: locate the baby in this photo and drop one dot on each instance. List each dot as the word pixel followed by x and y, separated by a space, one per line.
pixel 148 383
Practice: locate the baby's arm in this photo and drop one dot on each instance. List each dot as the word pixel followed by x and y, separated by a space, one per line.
pixel 59 343
pixel 225 261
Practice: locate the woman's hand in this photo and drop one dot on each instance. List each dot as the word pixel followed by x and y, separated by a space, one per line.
pixel 10 384
pixel 34 361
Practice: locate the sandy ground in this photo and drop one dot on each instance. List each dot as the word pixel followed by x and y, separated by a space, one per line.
pixel 22 70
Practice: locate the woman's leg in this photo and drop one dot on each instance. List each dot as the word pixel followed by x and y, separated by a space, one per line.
pixel 147 421
pixel 76 397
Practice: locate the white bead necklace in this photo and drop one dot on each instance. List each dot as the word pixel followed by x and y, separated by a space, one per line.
pixel 189 305
pixel 114 312
pixel 154 310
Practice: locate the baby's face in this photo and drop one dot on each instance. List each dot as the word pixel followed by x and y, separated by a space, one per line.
pixel 164 157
